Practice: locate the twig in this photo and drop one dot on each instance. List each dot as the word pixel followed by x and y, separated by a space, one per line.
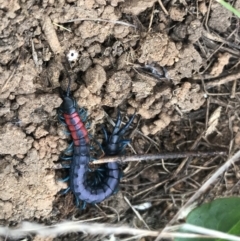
pixel 162 7
pixel 217 38
pixel 223 80
pixel 151 19
pixel 217 80
pixel 136 212
pixel 62 27
pixel 208 12
pixel 158 156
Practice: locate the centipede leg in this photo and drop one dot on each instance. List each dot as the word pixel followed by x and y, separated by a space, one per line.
pixel 65 191
pixel 124 144
pixel 83 114
pixel 84 205
pixel 65 166
pixel 118 123
pixel 64 179
pixel 124 129
pixel 94 149
pixel 105 133
pixel 77 201
pixel 69 149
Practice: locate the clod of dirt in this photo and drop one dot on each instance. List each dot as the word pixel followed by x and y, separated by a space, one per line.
pixel 151 174
pixel 4 111
pixel 179 32
pixel 188 97
pixel 85 98
pixel 95 78
pixel 9 50
pixel 177 14
pixel 112 13
pixel 135 7
pixel 122 60
pixel 101 2
pixel 202 7
pixel 19 82
pixel 237 141
pixel 114 3
pixel 84 63
pixel 222 61
pixel 189 62
pixel 143 86
pixel 5 107
pixel 70 12
pixel 48 148
pixel 219 18
pixel 120 31
pixel 40 132
pixel 14 141
pixel 11 6
pixel 94 49
pixel 158 125
pixel 53 72
pixel 117 89
pixel 27 188
pixel 30 129
pixel 104 62
pixel 117 49
pixel 158 48
pixel 194 30
pixel 38 108
pixel 93 32
pixel 161 102
pixel 51 35
pixel 117 201
pixel 151 106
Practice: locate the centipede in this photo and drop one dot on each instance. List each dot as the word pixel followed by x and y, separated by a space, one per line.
pixel 87 185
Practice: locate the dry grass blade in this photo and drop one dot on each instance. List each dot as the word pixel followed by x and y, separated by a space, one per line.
pixel 136 212
pixel 70 227
pixel 101 20
pixel 106 230
pixel 162 7
pixel 205 231
pixel 213 121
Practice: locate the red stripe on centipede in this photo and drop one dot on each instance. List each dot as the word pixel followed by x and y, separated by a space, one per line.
pixel 76 127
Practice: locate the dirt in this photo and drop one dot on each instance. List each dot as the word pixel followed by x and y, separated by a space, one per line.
pixel 125 54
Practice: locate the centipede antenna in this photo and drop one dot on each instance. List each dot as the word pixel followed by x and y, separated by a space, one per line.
pixel 69 80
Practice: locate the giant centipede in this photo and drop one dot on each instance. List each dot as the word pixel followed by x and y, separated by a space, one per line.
pixel 106 178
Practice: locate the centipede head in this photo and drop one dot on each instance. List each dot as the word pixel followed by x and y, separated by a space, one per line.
pixel 68 105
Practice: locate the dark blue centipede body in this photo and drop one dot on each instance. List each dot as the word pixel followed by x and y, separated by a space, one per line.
pixel 106 179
